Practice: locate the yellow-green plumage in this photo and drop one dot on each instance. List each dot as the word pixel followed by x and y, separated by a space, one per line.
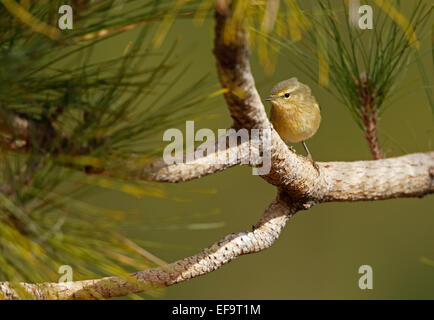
pixel 297 117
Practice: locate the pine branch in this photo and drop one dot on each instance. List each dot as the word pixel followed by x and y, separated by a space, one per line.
pixel 212 258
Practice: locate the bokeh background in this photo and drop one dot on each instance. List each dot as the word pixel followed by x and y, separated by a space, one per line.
pixel 320 251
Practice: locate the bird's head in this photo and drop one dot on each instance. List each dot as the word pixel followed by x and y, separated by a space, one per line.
pixel 291 93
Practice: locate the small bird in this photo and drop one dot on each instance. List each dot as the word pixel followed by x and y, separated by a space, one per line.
pixel 295 114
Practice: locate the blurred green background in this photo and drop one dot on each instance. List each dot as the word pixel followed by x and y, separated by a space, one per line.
pixel 320 251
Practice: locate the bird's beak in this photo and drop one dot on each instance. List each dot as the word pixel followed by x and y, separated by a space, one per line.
pixel 270 98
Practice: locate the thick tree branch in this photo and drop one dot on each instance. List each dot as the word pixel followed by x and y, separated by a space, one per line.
pixel 208 163
pixel 411 175
pixel 263 235
pixel 406 176
pixel 233 66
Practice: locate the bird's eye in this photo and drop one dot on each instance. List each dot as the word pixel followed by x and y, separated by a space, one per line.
pixel 286 95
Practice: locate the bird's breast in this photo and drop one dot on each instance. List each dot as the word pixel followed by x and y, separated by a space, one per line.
pixel 294 123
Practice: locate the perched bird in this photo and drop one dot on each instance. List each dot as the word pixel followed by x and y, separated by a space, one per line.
pixel 295 114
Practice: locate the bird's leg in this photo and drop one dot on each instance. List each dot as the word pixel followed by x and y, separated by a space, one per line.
pixel 309 156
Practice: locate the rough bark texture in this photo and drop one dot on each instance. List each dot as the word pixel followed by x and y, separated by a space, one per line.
pixel 264 234
pixel 299 186
pixel 233 67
